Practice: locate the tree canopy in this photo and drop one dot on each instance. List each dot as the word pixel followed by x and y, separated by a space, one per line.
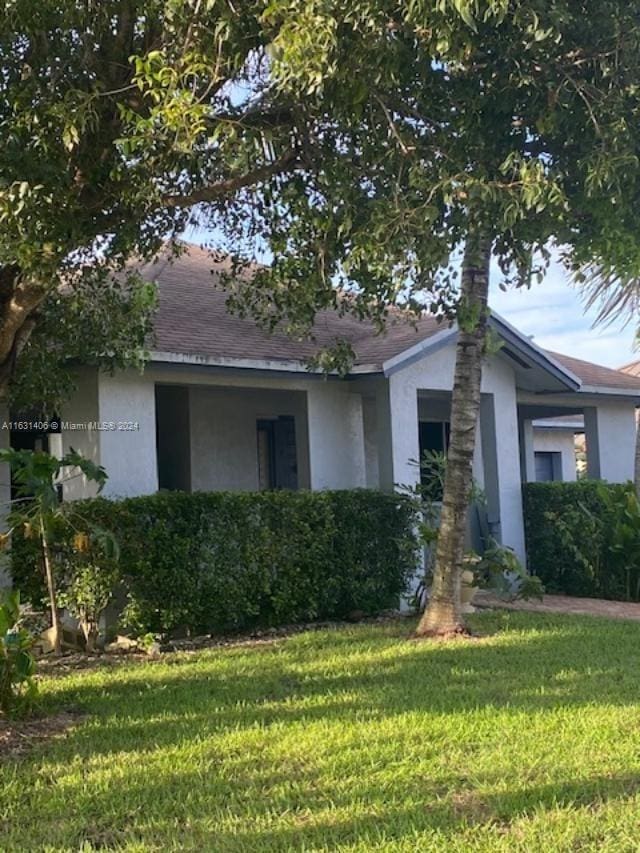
pixel 520 115
pixel 347 142
pixel 116 117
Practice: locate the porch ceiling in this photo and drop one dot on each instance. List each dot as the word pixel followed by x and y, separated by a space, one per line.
pixel 545 410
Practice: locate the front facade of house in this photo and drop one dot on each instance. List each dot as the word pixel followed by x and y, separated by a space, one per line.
pixel 223 405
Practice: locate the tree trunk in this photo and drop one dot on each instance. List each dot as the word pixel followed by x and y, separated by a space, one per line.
pixel 51 587
pixel 443 614
pixel 20 299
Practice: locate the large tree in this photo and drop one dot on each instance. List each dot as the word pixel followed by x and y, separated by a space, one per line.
pixel 477 128
pixel 359 146
pixel 117 118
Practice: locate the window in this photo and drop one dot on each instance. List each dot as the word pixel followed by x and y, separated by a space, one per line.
pixel 548 466
pixel 433 438
pixel 277 455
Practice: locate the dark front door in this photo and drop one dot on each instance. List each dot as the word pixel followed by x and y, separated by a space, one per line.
pixel 277 454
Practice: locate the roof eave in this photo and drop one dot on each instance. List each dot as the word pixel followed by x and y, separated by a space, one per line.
pixel 631 393
pixel 263 364
pixel 535 353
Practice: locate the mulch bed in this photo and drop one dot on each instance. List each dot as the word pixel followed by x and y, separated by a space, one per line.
pixel 17 737
pixel 78 661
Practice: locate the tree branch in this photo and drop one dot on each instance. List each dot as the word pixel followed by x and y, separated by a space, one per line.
pixel 286 163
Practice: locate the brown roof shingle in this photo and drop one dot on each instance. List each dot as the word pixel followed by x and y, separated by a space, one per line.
pixel 633 368
pixel 192 319
pixel 596 374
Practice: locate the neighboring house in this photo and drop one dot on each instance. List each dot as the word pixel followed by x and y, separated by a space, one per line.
pixel 556 446
pixel 632 369
pixel 224 405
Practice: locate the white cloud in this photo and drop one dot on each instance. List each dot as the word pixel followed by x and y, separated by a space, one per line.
pixel 554 314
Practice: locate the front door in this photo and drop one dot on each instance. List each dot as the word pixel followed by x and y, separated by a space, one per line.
pixel 277 453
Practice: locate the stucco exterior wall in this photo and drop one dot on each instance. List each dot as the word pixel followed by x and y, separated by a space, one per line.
pixel 370 427
pixel 336 437
pixel 558 441
pixel 362 432
pixel 610 430
pixel 128 454
pixel 78 419
pixel 223 435
pixel 498 428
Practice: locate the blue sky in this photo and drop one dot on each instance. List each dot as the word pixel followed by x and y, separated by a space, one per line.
pixel 553 313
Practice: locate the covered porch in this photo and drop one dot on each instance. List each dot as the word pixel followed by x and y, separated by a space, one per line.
pixel 608 423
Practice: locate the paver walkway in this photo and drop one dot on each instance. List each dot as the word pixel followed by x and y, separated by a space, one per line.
pixel 564 604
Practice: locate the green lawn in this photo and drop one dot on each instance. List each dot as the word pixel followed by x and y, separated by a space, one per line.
pixel 352 739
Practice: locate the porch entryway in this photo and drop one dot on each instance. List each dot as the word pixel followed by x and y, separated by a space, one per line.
pixel 237 439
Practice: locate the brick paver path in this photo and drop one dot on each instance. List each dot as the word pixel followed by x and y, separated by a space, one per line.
pixel 563 604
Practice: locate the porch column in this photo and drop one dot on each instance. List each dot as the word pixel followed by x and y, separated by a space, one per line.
pixel 527 455
pixel 336 437
pixel 610 432
pixel 127 403
pixel 80 416
pixel 398 438
pixel 502 477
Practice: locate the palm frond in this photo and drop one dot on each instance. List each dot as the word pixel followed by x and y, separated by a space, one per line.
pixel 614 296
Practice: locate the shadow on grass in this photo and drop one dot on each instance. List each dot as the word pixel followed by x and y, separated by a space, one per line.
pixel 357 672
pixel 312 826
pixel 196 737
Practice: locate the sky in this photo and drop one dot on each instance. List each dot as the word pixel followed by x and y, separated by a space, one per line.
pixel 553 313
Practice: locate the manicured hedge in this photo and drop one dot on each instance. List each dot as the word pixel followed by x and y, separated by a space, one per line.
pixel 228 561
pixel 574 533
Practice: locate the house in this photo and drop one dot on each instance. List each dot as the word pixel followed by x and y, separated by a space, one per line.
pixel 558 448
pixel 224 405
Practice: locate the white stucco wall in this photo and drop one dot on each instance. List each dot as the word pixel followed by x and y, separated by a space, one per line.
pixel 336 436
pixel 78 417
pixel 610 430
pixel 434 372
pixel 128 454
pixel 223 435
pixel 370 426
pixel 557 441
pixel 499 382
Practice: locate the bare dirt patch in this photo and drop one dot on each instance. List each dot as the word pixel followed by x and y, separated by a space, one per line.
pixel 17 737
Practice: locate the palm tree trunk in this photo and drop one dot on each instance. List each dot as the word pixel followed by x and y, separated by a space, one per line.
pixel 443 615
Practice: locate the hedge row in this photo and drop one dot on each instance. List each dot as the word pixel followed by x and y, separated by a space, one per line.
pixel 229 561
pixel 583 538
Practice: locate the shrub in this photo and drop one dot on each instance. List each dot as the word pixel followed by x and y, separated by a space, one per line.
pixel 226 561
pixel 89 586
pixel 17 686
pixel 583 538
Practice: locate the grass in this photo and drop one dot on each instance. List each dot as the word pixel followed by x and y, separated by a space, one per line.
pixel 352 740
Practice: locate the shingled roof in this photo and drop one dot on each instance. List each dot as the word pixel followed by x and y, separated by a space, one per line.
pixel 192 320
pixel 596 375
pixel 633 368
